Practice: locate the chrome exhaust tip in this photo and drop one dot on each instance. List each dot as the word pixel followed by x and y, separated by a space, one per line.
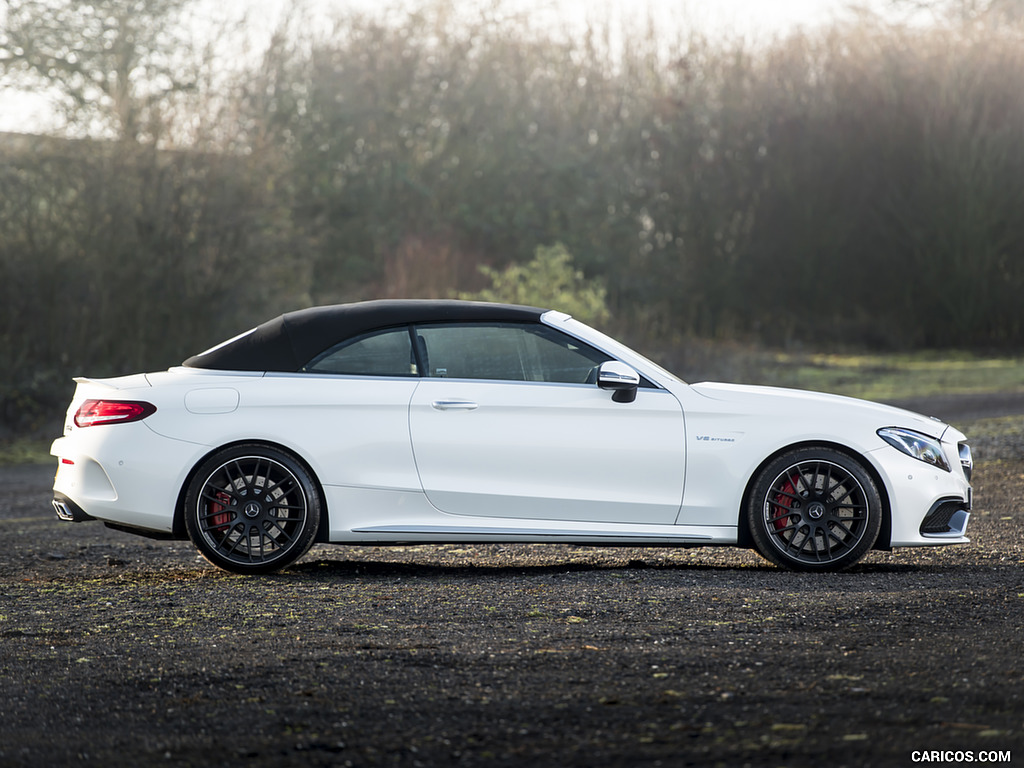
pixel 61 508
pixel 69 511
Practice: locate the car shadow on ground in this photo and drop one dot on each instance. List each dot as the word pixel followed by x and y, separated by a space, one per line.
pixel 344 569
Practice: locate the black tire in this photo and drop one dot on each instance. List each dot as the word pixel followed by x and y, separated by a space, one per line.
pixel 814 509
pixel 252 509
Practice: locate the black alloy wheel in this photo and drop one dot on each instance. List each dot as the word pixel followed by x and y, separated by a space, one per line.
pixel 252 509
pixel 814 509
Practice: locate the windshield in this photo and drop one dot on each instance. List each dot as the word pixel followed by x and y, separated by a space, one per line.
pixel 585 333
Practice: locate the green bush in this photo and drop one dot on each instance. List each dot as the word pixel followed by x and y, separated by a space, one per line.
pixel 549 281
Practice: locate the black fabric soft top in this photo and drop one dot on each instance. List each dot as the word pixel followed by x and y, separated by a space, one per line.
pixel 288 342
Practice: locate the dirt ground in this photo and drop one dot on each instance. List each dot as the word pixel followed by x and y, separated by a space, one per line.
pixel 120 651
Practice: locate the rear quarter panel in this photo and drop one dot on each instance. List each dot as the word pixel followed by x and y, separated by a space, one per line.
pixel 351 431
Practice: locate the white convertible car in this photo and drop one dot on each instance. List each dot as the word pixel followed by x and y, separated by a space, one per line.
pixel 397 422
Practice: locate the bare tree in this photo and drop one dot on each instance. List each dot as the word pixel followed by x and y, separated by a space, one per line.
pixel 110 64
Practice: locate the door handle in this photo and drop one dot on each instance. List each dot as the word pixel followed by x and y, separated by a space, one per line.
pixel 454 405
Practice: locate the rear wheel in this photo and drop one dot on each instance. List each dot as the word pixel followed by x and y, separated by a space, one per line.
pixel 252 509
pixel 814 509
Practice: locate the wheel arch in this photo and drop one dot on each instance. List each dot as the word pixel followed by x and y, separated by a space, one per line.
pixel 743 536
pixel 323 531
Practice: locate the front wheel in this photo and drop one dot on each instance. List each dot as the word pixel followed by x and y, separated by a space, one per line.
pixel 814 509
pixel 252 509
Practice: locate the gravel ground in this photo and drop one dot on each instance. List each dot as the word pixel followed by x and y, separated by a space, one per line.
pixel 119 651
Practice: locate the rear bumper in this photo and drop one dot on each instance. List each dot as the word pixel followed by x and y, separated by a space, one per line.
pixel 123 474
pixel 69 511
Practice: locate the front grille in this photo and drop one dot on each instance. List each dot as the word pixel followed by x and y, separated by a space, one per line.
pixel 966 460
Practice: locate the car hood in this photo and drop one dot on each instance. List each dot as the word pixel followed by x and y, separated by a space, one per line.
pixel 778 400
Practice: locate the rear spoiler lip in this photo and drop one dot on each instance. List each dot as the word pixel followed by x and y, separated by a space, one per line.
pixel 119 382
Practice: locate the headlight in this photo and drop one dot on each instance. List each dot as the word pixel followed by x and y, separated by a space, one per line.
pixel 921 447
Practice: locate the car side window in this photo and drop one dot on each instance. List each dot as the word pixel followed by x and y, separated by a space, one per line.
pixel 507 352
pixel 381 353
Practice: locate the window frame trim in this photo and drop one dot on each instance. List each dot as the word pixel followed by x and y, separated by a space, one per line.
pixel 523 324
pixel 423 373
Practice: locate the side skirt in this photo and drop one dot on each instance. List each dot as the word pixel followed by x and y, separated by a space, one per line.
pixel 460 534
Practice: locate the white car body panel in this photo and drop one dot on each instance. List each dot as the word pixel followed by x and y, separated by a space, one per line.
pixel 352 431
pixel 733 428
pixel 382 517
pixel 548 451
pixel 410 459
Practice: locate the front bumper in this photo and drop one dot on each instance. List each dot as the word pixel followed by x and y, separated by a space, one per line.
pixel 929 506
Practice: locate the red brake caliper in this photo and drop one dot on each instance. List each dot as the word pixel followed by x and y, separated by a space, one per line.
pixel 783 506
pixel 220 518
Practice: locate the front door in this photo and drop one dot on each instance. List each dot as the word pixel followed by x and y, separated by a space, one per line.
pixel 509 424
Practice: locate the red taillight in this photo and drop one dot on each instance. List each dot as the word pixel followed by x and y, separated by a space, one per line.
pixel 94 412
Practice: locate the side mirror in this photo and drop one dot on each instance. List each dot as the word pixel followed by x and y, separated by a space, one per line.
pixel 619 379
